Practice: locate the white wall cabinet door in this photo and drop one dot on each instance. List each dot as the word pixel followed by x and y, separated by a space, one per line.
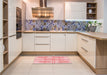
pixel 12 48
pixel 12 17
pixel 58 42
pixel 1 55
pixel 75 10
pixel 1 10
pixel 28 42
pixel 71 42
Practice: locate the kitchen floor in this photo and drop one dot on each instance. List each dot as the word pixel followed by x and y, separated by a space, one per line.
pixel 24 66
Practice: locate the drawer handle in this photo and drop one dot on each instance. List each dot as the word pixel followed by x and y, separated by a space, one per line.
pixel 84 49
pixel 42 44
pixel 84 40
pixel 42 36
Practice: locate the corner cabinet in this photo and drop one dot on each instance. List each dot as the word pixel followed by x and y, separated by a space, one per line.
pixel 75 10
pixel 58 41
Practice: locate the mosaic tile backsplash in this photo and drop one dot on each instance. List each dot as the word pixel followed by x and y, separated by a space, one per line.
pixel 48 25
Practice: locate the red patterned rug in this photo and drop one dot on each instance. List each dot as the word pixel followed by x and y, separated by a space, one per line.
pixel 52 60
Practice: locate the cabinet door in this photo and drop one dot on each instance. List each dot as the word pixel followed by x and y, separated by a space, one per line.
pixel 1 55
pixel 12 48
pixel 12 17
pixel 42 42
pixel 87 48
pixel 58 42
pixel 19 45
pixel 1 10
pixel 28 42
pixel 71 42
pixel 75 10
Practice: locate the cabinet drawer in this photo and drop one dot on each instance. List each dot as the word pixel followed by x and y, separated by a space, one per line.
pixel 87 48
pixel 42 47
pixel 42 34
pixel 84 40
pixel 42 40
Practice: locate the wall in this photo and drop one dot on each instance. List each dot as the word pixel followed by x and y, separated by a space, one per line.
pixel 57 4
pixel 48 25
pixel 105 16
pixel 19 3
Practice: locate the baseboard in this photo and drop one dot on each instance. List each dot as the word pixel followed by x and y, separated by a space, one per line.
pixel 101 71
pixel 49 53
pixel 10 64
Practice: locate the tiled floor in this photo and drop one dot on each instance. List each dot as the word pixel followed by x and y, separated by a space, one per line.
pixel 24 66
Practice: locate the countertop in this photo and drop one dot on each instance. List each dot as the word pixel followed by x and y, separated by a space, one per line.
pixel 96 35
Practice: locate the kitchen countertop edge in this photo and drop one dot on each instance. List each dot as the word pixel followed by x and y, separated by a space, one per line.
pixel 96 35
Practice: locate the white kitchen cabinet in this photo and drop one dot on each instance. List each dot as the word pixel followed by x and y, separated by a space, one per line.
pixel 58 41
pixel 87 48
pixel 1 16
pixel 1 55
pixel 71 42
pixel 42 42
pixel 28 42
pixel 75 10
pixel 12 48
pixel 19 45
pixel 12 17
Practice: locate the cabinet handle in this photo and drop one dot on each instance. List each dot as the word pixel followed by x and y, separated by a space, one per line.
pixel 85 40
pixel 12 35
pixel 42 36
pixel 42 44
pixel 84 49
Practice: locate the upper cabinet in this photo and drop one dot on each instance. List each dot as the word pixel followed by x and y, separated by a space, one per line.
pixel 75 10
pixel 12 17
pixel 91 10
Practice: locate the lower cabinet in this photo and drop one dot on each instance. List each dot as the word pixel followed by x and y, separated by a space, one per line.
pixel 12 48
pixel 58 42
pixel 19 45
pixel 87 49
pixel 42 42
pixel 49 42
pixel 71 42
pixel 1 55
pixel 28 42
